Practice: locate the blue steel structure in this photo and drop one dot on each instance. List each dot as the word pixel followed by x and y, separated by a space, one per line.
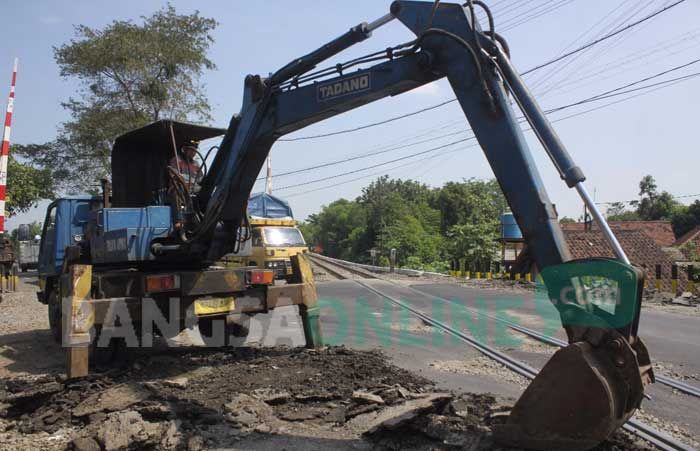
pixel 588 389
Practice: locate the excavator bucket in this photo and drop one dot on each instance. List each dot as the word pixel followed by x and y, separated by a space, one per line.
pixel 576 401
pixel 590 388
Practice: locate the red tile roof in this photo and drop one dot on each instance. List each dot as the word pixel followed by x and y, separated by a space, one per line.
pixel 659 231
pixel 641 249
pixel 689 244
pixel 685 239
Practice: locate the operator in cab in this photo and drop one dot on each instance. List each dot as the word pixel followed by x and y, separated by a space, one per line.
pixel 188 167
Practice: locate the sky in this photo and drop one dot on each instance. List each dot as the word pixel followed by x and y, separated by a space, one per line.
pixel 616 144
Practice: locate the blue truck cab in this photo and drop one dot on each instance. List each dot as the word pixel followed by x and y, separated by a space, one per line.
pixel 65 225
pixel 104 235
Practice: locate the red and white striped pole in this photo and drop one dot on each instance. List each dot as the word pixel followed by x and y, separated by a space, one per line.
pixel 4 156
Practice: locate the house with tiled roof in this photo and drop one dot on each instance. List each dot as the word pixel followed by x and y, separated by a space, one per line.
pixel 689 245
pixel 641 249
pixel 659 231
pixel 648 244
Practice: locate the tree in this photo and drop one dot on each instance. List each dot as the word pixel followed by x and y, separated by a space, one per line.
pixel 130 74
pixel 476 243
pixel 337 228
pixel 26 185
pixel 686 219
pixel 470 201
pixel 654 205
pixel 617 211
pixel 567 220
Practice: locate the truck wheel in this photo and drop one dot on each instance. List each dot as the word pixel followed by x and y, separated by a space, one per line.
pixel 55 322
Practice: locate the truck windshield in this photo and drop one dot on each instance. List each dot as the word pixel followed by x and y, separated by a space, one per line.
pixel 283 236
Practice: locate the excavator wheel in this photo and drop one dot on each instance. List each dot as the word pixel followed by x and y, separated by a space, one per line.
pixel 580 397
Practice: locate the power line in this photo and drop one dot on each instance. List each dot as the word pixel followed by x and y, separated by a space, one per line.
pixel 384 171
pixel 631 61
pixel 386 121
pixel 620 90
pixel 684 196
pixel 432 149
pixel 365 155
pixel 434 156
pixel 592 54
pixel 604 38
pixel 548 63
pixel 534 14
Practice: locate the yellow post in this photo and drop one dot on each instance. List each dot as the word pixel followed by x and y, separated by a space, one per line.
pixel 528 277
pixel 478 275
pixel 517 276
pixel 488 275
pixel 658 284
pixel 78 316
pixel 467 274
pixel 674 286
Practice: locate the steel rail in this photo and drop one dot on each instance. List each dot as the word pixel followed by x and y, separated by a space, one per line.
pixel 673 383
pixel 641 429
pixel 328 267
pixel 665 380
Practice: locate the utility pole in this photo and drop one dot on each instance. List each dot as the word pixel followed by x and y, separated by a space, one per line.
pixel 4 156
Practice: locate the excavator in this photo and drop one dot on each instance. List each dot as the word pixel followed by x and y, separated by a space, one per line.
pixel 582 395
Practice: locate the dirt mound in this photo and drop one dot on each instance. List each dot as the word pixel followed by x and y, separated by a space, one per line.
pixel 197 399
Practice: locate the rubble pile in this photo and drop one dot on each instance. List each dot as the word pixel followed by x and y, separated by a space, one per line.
pixel 197 399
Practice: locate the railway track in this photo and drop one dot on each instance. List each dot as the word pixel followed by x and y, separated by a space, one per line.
pixel 340 269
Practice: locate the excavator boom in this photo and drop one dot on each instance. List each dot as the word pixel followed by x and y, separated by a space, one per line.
pixel 588 389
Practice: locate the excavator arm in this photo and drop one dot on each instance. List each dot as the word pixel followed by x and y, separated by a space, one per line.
pixel 588 389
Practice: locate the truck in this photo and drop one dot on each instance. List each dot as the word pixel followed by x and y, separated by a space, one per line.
pixel 144 256
pixel 27 248
pixel 101 261
pixel 274 237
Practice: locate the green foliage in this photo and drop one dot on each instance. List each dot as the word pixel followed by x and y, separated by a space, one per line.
pixel 470 201
pixel 476 243
pixel 566 220
pixel 26 185
pixel 617 211
pixel 685 218
pixel 130 74
pixel 409 216
pixel 654 205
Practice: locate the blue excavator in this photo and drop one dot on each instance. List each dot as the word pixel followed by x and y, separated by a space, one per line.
pixel 155 238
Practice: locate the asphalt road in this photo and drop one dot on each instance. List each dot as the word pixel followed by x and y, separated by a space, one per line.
pixel 358 318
